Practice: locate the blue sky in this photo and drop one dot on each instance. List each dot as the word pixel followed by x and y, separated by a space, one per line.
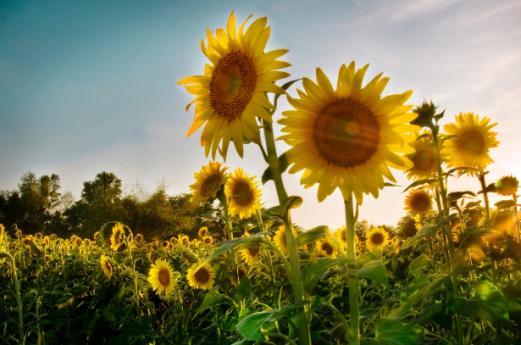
pixel 87 86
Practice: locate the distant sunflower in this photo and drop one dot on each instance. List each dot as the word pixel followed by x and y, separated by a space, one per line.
pixel 507 185
pixel 233 90
pixel 251 253
pixel 470 140
pixel 208 240
pixel 243 194
pixel 162 277
pixel 341 237
pixel 116 239
pixel 376 239
pixel 349 137
pixel 200 276
pixel 423 158
pixel 106 266
pixel 208 181
pixel 407 227
pixel 203 231
pixel 280 239
pixel 418 201
pixel 326 246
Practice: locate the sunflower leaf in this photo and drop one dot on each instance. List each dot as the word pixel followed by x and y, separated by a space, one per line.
pixel 312 235
pixel 267 175
pixel 374 270
pixel 394 332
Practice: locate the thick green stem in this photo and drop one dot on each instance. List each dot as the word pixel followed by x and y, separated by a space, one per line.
pixel 18 296
pixel 481 178
pixel 294 264
pixel 354 285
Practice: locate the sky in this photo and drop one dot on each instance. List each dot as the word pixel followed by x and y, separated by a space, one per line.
pixel 91 86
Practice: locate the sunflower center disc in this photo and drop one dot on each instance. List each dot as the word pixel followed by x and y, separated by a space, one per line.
pixel 163 276
pixel 377 238
pixel 346 133
pixel 210 185
pixel 421 202
pixel 202 275
pixel 253 251
pixel 424 160
pixel 242 194
pixel 472 142
pixel 327 248
pixel 232 85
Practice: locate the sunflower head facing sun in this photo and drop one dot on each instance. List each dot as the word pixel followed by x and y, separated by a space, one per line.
pixel 232 92
pixel 208 182
pixel 200 276
pixel 376 239
pixel 418 202
pixel 507 186
pixel 243 194
pixel 348 137
pixel 162 277
pixel 469 141
pixel 116 238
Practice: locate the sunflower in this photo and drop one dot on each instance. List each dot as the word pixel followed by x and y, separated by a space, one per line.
pixel 507 185
pixel 233 90
pixel 208 182
pixel 106 266
pixel 407 227
pixel 203 231
pixel 200 276
pixel 162 277
pixel 251 253
pixel 116 239
pixel 423 158
pixel 207 240
pixel 348 137
pixel 469 141
pixel 326 246
pixel 280 239
pixel 243 194
pixel 418 201
pixel 376 239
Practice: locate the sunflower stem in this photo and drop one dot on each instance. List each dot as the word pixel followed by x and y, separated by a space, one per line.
pixel 353 282
pixel 483 183
pixel 273 161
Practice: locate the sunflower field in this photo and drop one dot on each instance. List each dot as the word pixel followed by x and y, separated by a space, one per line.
pixel 447 273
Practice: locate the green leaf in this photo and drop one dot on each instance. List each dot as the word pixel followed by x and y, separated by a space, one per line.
pixel 267 175
pixel 312 235
pixel 419 183
pixel 229 245
pixel 213 297
pixel 505 204
pixel 315 269
pixel 416 266
pixel 251 326
pixel 280 211
pixel 374 270
pixel 394 332
pixel 283 162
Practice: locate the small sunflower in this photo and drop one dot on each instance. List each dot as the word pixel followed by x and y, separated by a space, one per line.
pixel 106 266
pixel 407 227
pixel 200 276
pixel 418 201
pixel 348 137
pixel 280 239
pixel 250 254
pixel 116 239
pixel 162 277
pixel 326 246
pixel 243 194
pixel 207 240
pixel 208 182
pixel 423 158
pixel 203 231
pixel 469 142
pixel 507 185
pixel 376 239
pixel 341 237
pixel 234 89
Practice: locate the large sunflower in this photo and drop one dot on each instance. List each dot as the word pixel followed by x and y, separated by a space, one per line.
pixel 418 201
pixel 232 92
pixel 423 158
pixel 162 277
pixel 376 239
pixel 348 137
pixel 208 181
pixel 470 140
pixel 243 194
pixel 200 276
pixel 106 266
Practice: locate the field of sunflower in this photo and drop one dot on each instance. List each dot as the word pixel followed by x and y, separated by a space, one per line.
pixel 448 273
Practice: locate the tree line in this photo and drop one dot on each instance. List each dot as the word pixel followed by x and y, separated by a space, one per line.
pixel 38 205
